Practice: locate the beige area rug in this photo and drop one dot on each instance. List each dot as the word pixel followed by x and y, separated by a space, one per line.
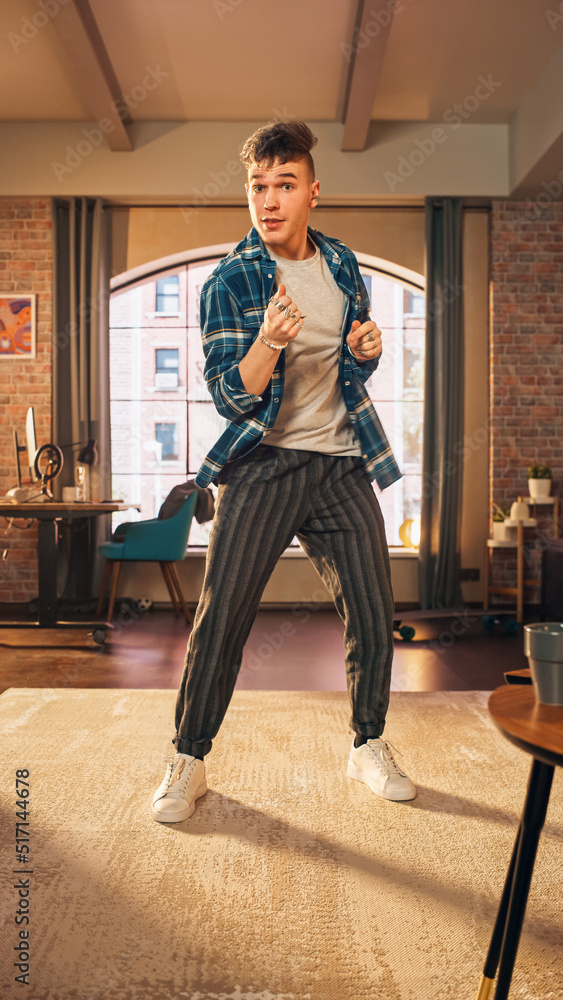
pixel 290 882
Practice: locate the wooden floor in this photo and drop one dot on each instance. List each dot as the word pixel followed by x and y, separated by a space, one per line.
pixel 287 650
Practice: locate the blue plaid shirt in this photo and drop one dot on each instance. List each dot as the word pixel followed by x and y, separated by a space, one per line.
pixel 233 301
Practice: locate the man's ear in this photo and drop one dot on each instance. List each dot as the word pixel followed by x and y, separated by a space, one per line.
pixel 315 193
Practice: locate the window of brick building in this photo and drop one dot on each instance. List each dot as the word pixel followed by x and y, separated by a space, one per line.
pixel 167 436
pixel 167 295
pixel 166 361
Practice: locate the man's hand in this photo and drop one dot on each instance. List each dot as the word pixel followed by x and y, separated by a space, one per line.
pixel 281 326
pixel 364 340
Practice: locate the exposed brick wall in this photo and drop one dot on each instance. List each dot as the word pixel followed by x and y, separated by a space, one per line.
pixel 26 264
pixel 526 363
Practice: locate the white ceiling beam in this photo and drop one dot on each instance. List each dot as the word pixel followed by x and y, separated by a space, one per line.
pixel 367 52
pixel 536 137
pixel 87 55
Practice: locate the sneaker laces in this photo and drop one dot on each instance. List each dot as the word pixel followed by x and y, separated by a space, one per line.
pixel 384 755
pixel 174 762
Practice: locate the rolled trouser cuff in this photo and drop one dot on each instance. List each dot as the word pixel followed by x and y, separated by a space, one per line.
pixel 190 747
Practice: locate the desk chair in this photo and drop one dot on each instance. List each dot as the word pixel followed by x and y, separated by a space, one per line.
pixel 161 540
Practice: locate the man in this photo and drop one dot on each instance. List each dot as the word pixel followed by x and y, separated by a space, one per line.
pixel 289 345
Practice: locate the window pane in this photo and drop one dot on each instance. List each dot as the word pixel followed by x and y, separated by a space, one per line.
pixel 396 389
pixel 167 436
pixel 166 359
pixel 197 386
pixel 167 295
pixel 204 427
pixel 197 274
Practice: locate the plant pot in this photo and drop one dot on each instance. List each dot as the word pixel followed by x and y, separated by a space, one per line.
pixel 543 645
pixel 539 488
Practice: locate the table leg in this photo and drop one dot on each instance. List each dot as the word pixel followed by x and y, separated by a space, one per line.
pixel 506 934
pixel 520 572
pixel 47 573
pixel 486 574
pixel 493 954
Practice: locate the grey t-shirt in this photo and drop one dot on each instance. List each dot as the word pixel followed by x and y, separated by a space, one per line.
pixel 313 415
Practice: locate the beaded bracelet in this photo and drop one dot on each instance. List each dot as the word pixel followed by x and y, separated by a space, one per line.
pixel 274 347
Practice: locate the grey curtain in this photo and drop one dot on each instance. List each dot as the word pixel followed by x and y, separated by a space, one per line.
pixel 442 467
pixel 80 394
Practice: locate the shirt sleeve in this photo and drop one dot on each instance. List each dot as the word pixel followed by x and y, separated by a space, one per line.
pixel 226 339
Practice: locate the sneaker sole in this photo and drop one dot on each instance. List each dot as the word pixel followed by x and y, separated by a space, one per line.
pixel 355 773
pixel 186 813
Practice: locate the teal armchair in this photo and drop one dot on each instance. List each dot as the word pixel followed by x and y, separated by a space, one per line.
pixel 161 540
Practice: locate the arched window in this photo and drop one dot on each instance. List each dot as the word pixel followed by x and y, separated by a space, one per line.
pixel 163 421
pixel 398 306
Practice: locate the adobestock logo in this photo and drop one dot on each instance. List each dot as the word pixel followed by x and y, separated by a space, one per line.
pixel 363 36
pixel 224 7
pixel 454 117
pixel 31 26
pixel 552 190
pixel 94 137
pixel 554 18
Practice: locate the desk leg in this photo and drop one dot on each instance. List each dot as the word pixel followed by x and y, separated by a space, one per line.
pixel 47 573
pixel 508 926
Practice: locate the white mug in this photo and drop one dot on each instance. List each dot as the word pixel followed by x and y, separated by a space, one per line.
pixel 71 494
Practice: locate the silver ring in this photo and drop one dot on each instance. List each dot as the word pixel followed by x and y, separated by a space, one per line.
pixel 370 336
pixel 289 313
pixel 279 305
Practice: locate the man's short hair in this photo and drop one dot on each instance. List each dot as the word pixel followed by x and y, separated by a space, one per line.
pixel 282 141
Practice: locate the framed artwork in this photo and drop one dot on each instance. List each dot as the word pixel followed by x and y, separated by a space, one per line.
pixel 17 326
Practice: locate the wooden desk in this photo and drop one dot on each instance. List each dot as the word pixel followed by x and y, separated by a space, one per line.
pixel 48 514
pixel 538 730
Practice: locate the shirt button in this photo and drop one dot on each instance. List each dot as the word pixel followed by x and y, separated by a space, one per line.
pixel 270 276
pixel 346 383
pixel 364 456
pixel 276 399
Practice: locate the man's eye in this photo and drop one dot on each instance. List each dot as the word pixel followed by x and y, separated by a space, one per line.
pixel 257 188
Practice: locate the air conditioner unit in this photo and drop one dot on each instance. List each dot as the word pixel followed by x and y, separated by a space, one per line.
pixel 166 380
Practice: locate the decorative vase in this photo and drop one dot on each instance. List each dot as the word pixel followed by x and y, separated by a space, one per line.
pixel 539 489
pixel 519 510
pixel 543 645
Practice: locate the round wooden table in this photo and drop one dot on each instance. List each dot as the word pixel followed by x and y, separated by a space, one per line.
pixel 538 730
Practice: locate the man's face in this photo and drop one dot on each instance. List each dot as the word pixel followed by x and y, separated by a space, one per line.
pixel 280 198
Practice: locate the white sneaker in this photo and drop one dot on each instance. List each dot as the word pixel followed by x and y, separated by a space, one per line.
pixel 184 782
pixel 373 764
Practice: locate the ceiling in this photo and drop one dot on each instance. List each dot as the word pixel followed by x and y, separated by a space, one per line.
pixel 336 61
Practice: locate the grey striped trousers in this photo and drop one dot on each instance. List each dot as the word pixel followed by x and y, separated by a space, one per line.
pixel 265 499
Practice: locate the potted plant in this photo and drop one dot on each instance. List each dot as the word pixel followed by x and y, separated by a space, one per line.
pixel 499 529
pixel 539 481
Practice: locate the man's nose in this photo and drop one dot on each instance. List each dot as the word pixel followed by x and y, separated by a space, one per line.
pixel 270 200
